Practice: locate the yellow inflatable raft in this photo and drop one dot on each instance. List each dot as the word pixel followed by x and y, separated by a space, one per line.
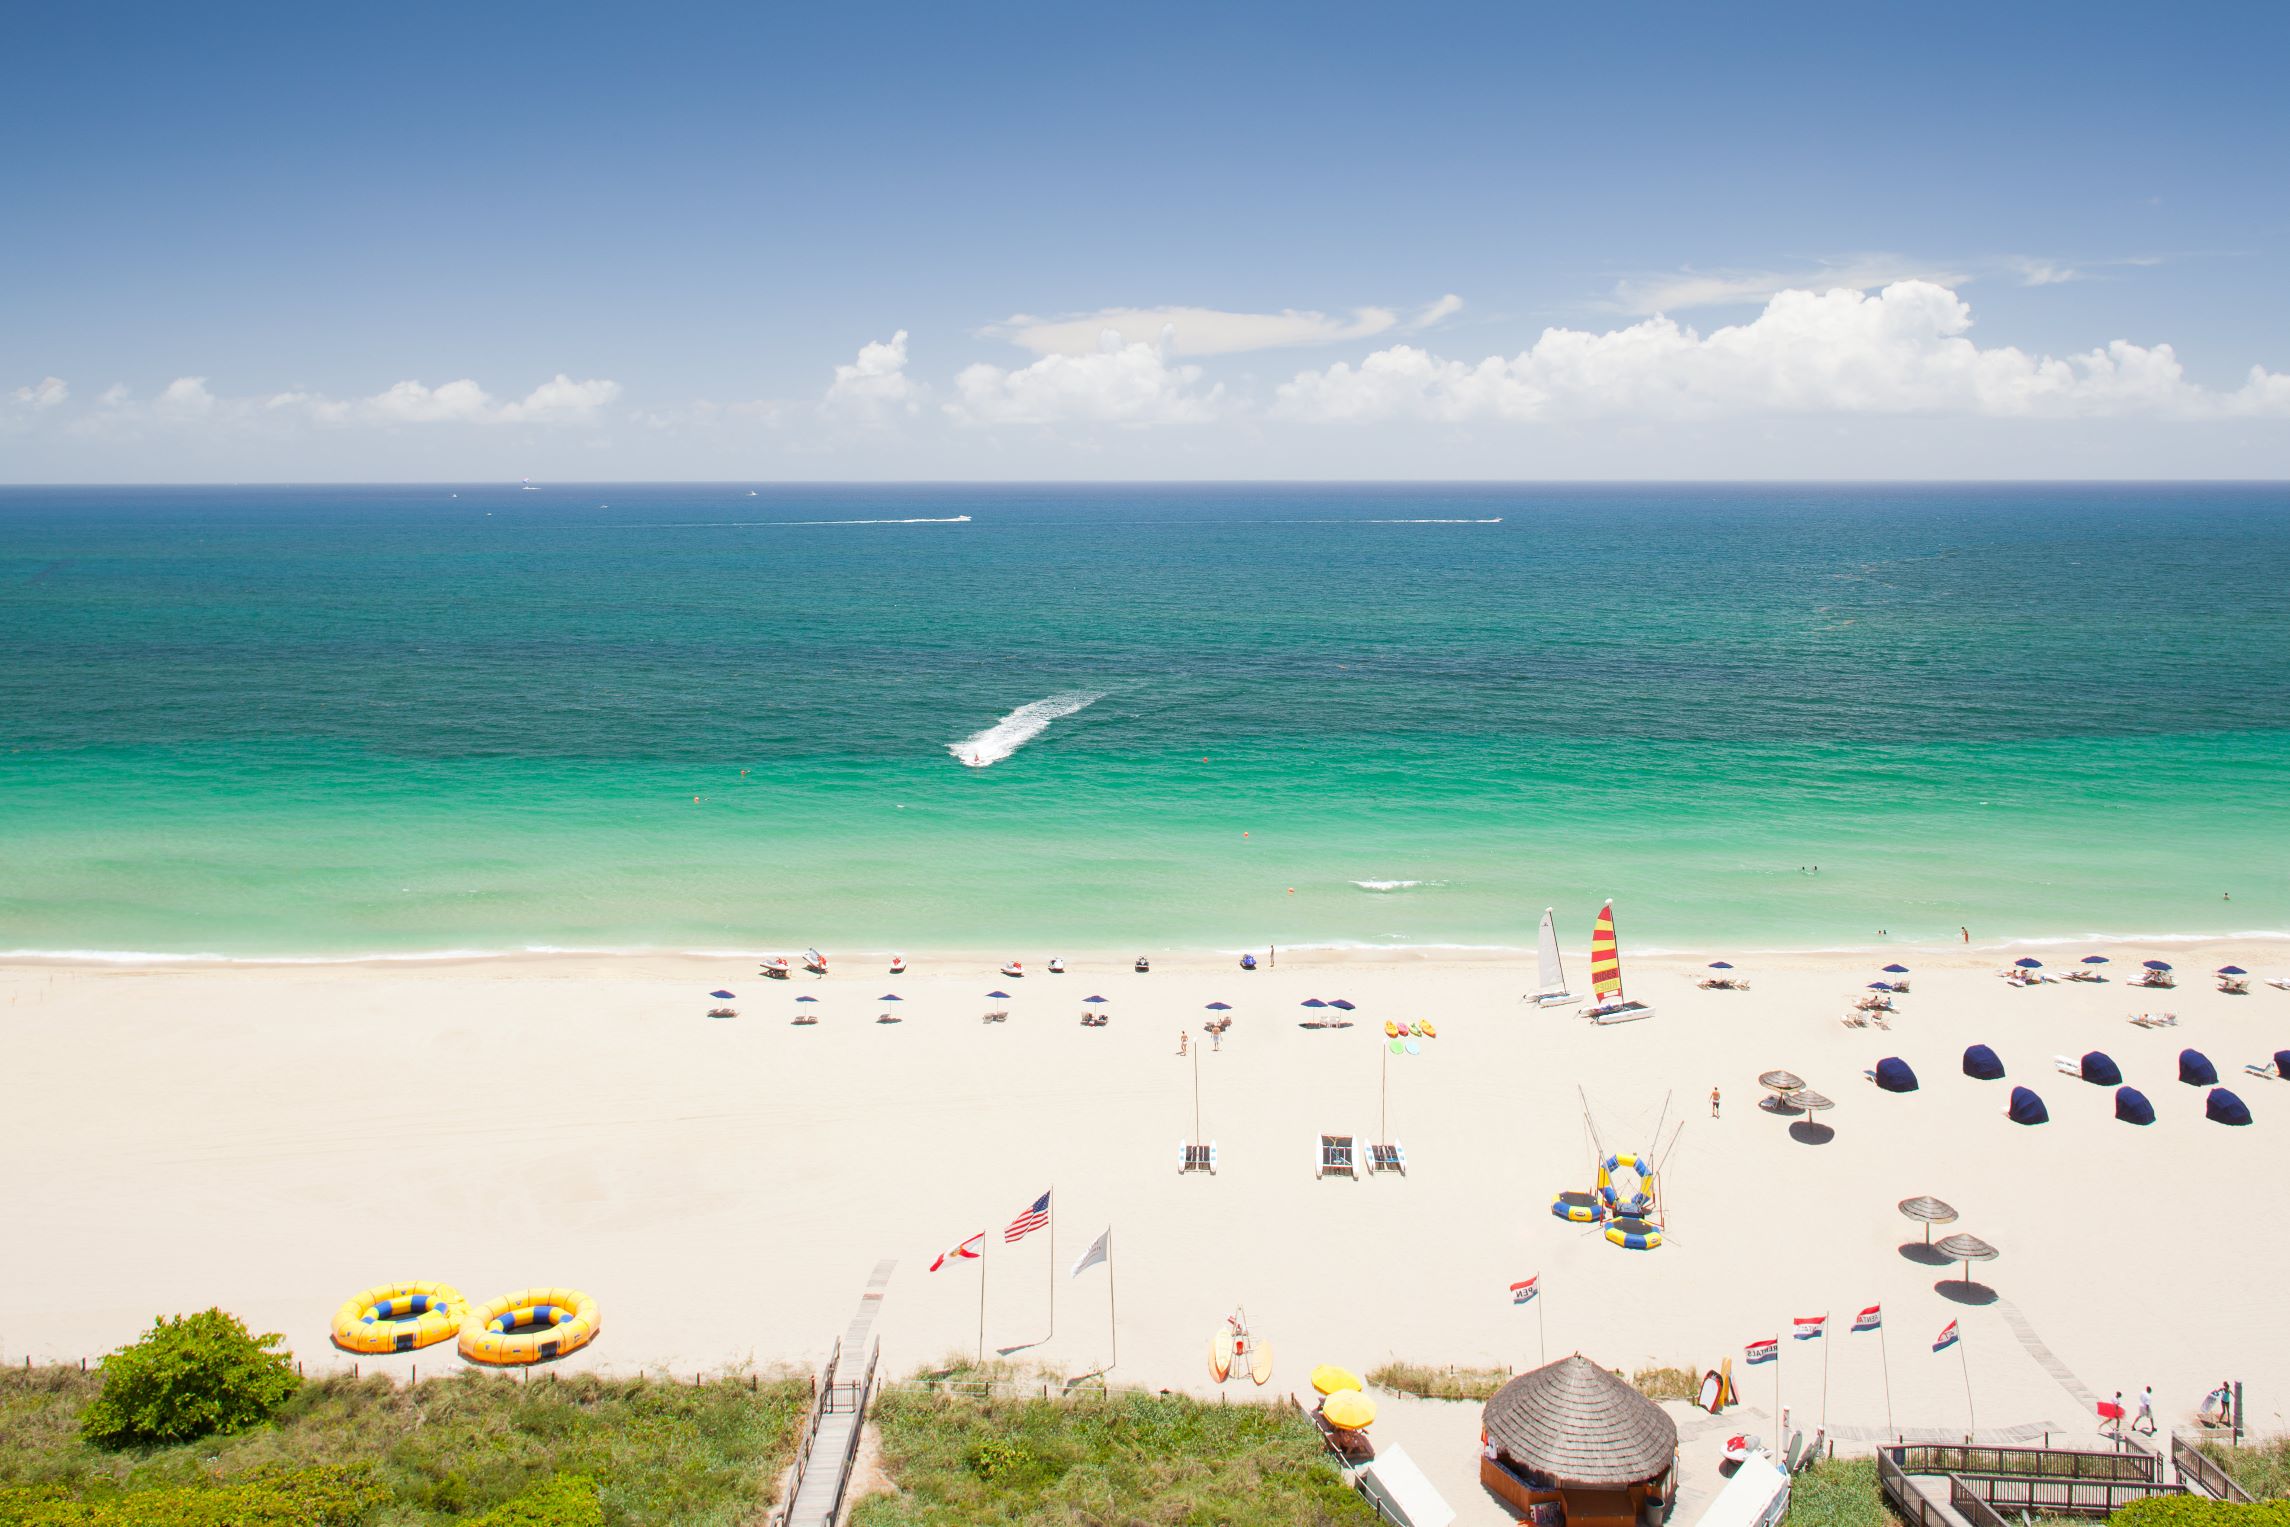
pixel 399 1317
pixel 531 1325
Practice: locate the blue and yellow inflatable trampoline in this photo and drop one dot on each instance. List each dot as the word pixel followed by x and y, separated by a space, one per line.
pixel 1634 1234
pixel 1640 1169
pixel 531 1325
pixel 1579 1208
pixel 399 1317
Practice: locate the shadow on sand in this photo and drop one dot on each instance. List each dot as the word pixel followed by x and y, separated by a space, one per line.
pixel 1811 1132
pixel 1963 1291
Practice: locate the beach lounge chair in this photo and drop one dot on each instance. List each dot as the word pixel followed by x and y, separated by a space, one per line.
pixel 1197 1158
pixel 2279 983
pixel 2156 980
pixel 1813 1450
pixel 2234 986
pixel 1334 1155
pixel 2255 1069
pixel 1388 1157
pixel 1855 1020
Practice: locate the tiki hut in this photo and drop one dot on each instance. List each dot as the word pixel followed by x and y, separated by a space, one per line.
pixel 1574 1436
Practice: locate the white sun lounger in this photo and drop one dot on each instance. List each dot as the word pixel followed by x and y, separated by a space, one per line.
pixel 1389 1156
pixel 1197 1158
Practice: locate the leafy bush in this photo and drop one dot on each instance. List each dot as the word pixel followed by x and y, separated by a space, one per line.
pixel 327 1496
pixel 1842 1492
pixel 192 1376
pixel 568 1500
pixel 2262 1468
pixel 2200 1511
pixel 1660 1384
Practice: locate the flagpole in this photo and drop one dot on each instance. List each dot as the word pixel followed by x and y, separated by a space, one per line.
pixel 981 1302
pixel 1886 1358
pixel 1542 1331
pixel 1969 1413
pixel 1052 1269
pixel 1112 1321
pixel 1825 1344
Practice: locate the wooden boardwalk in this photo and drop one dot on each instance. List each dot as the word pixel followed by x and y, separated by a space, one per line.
pixel 831 1445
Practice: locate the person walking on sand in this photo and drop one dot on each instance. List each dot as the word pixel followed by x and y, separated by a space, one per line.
pixel 2111 1416
pixel 1713 1102
pixel 2146 1418
pixel 1183 1039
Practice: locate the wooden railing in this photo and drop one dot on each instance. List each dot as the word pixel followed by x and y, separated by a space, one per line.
pixel 860 1392
pixel 1986 1482
pixel 820 1404
pixel 2137 1465
pixel 1970 1506
pixel 2208 1477
pixel 1912 1504
pixel 2044 1495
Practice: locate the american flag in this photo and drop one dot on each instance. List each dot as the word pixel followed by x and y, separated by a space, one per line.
pixel 1037 1215
pixel 1766 1351
pixel 1811 1327
pixel 1522 1292
pixel 1870 1319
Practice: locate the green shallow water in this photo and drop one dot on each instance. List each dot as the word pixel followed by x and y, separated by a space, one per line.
pixel 329 722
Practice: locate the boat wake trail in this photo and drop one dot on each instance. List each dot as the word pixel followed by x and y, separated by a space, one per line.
pixel 1497 520
pixel 982 750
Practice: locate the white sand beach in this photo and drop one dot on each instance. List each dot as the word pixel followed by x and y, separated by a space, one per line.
pixel 273 1138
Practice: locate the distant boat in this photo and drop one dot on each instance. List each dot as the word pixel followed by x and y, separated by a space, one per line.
pixel 1550 990
pixel 1606 975
pixel 528 485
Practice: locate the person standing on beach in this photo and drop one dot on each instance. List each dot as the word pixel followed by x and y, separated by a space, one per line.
pixel 1713 1102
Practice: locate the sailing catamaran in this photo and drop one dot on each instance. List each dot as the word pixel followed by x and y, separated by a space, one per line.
pixel 1551 990
pixel 1606 975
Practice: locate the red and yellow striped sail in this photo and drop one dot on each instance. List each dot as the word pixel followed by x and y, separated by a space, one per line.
pixel 1605 956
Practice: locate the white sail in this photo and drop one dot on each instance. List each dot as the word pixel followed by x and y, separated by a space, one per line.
pixel 1553 975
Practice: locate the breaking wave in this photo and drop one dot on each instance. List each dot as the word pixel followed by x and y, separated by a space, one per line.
pixel 982 750
pixel 1381 886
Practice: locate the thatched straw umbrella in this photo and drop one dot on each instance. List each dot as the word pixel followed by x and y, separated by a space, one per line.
pixel 1930 1210
pixel 1575 1424
pixel 1806 1100
pixel 1781 1081
pixel 1966 1249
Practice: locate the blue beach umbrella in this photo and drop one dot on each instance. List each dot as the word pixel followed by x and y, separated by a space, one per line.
pixel 1314 1002
pixel 1340 1002
pixel 890 996
pixel 719 994
pixel 2029 962
pixel 2095 959
pixel 999 996
pixel 1220 1007
pixel 1721 964
pixel 1896 970
pixel 1093 999
pixel 2232 970
pixel 2156 964
pixel 806 999
pixel 1880 986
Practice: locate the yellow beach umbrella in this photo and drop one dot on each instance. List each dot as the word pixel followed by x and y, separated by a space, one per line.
pixel 1349 1409
pixel 1328 1378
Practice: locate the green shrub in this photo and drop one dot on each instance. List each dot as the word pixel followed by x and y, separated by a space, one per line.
pixel 192 1376
pixel 568 1500
pixel 1436 1383
pixel 2200 1511
pixel 1842 1492
pixel 327 1496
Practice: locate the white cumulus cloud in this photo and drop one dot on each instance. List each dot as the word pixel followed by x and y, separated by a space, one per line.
pixel 47 392
pixel 186 397
pixel 1901 350
pixel 1120 382
pixel 875 386
pixel 1681 291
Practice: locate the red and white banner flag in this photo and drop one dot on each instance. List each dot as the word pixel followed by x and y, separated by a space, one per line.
pixel 1766 1351
pixel 1870 1319
pixel 1521 1293
pixel 1811 1327
pixel 972 1249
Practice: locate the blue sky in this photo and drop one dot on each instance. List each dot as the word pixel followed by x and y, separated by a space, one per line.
pixel 1081 241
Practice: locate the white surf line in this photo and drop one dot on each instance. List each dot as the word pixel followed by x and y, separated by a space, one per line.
pixel 982 750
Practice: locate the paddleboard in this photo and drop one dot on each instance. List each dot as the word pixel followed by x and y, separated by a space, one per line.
pixel 1426 1030
pixel 1220 1356
pixel 1711 1392
pixel 1391 1029
pixel 1260 1360
pixel 1404 1031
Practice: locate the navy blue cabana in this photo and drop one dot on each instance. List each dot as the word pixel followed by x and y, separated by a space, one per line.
pixel 2132 1107
pixel 1893 1075
pixel 2027 1108
pixel 2223 1107
pixel 1980 1062
pixel 2100 1070
pixel 2196 1070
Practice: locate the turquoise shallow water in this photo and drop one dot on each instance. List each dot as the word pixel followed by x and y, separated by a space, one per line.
pixel 335 721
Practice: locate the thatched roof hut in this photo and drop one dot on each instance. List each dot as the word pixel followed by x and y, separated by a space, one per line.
pixel 1576 1424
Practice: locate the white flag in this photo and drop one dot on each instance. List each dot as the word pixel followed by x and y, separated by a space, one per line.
pixel 1099 1249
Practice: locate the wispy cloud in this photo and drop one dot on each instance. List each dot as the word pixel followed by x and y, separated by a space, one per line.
pixel 1683 290
pixel 47 392
pixel 1199 331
